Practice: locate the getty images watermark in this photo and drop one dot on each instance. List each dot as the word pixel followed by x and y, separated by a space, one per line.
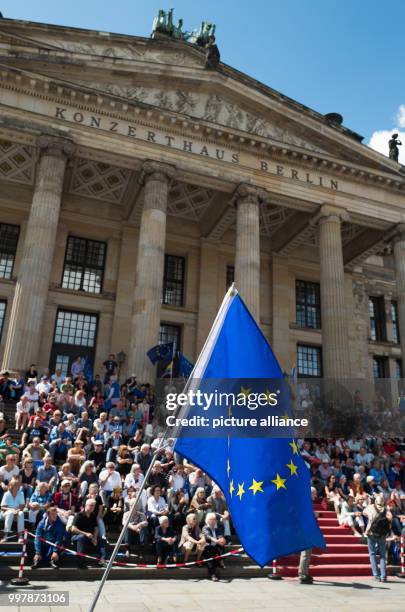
pixel 223 411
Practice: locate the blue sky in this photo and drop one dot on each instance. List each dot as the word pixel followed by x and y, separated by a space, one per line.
pixel 345 56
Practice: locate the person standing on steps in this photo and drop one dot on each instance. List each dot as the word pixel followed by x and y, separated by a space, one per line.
pixel 377 530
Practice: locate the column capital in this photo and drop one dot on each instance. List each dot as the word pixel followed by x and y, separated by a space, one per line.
pixel 249 193
pixel 157 171
pixel 56 146
pixel 398 233
pixel 328 212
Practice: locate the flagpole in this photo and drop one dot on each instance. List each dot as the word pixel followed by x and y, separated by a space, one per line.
pixel 131 513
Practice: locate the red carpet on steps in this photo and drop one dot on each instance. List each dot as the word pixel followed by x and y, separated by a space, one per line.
pixel 345 555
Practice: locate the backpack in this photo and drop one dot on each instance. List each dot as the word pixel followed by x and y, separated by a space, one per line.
pixel 381 526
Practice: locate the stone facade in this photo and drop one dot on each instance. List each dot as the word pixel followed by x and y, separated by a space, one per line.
pixel 210 167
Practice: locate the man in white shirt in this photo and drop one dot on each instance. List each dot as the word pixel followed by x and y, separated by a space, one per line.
pixel 109 480
pixel 157 506
pixel 44 386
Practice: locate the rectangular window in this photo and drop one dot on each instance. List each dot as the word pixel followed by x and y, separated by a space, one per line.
pixel 76 328
pixel 380 367
pixel 173 280
pixel 398 368
pixel 376 309
pixel 170 333
pixel 84 265
pixel 230 275
pixel 309 360
pixel 8 248
pixel 3 306
pixel 395 326
pixel 308 304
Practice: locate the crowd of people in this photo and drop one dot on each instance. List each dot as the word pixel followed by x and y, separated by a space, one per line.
pixel 73 476
pixel 84 448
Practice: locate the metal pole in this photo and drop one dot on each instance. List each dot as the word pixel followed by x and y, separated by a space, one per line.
pixel 125 526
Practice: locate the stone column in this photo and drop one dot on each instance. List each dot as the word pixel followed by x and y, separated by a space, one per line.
pixel 399 259
pixel 149 268
pixel 247 252
pixel 31 292
pixel 335 345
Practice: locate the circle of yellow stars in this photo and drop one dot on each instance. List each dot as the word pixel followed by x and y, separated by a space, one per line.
pixel 257 486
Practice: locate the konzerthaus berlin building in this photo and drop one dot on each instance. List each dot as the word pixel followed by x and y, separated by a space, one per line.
pixel 136 184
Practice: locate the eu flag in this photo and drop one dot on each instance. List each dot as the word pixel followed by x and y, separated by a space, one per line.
pixel 265 480
pixel 160 352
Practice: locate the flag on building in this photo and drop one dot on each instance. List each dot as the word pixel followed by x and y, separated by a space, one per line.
pixel 161 351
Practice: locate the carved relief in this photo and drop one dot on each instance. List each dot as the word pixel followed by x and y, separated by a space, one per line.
pixel 210 107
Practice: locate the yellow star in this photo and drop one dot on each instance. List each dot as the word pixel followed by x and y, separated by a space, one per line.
pixel 294 447
pixel 231 488
pixel 279 482
pixel 244 391
pixel 228 467
pixel 286 416
pixel 293 468
pixel 229 411
pixel 241 490
pixel 256 486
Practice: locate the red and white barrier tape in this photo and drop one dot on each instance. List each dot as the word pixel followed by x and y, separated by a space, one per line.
pixel 237 551
pixel 23 555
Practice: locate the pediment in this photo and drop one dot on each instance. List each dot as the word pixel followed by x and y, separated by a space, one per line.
pixel 170 75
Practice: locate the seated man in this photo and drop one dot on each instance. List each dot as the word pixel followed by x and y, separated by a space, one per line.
pixel 86 535
pixel 50 528
pixel 165 540
pixel 215 544
pixel 191 538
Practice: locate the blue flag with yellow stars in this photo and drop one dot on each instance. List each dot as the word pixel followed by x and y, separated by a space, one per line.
pixel 265 480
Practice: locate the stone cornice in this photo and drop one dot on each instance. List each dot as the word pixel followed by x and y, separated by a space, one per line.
pixel 82 98
pixel 249 193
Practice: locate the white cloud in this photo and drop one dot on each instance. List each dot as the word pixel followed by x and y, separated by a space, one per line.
pixel 401 116
pixel 379 139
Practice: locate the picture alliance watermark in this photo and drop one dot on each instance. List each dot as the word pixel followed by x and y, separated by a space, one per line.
pixel 224 410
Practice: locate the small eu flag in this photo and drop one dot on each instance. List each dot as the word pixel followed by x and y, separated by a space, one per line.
pixel 185 366
pixel 265 480
pixel 161 351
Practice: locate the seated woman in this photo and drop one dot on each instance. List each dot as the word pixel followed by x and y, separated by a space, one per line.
pixel 200 505
pixel 178 507
pixel 165 541
pixel 65 473
pixel 343 488
pixel 157 506
pixel 192 539
pixel 215 539
pixel 12 507
pixel 351 515
pixel 28 477
pixel 87 476
pixel 39 502
pixel 76 455
pixel 331 494
pixel 22 413
pixel 114 508
pixel 124 461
